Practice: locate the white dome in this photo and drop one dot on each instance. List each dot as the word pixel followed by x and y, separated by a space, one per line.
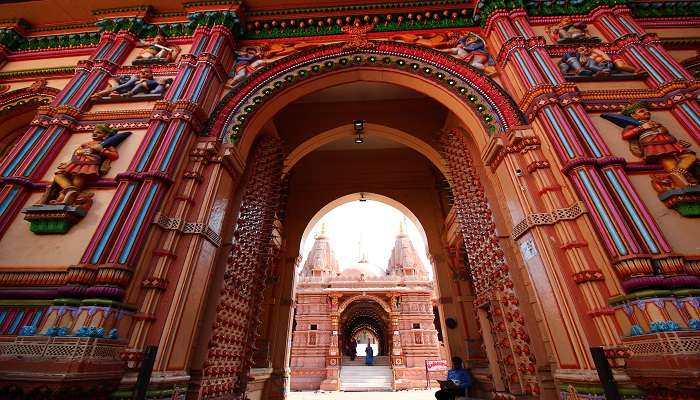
pixel 362 268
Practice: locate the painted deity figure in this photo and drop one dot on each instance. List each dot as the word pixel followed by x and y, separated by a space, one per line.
pixel 588 61
pixel 156 52
pixel 89 162
pixel 472 49
pixel 651 141
pixel 567 31
pixel 250 59
pixel 468 47
pixel 130 85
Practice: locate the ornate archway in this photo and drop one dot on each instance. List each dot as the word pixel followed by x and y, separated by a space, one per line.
pixel 239 115
pixel 475 99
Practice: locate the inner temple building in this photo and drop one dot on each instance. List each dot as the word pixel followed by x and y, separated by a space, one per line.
pixel 162 164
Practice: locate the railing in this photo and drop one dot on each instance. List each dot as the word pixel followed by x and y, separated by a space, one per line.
pixel 61 348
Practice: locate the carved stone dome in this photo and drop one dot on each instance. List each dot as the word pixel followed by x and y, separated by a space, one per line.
pixel 363 267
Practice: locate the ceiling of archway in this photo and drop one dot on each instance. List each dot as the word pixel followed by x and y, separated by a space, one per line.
pixel 374 102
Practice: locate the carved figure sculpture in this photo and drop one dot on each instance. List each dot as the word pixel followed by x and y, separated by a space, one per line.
pixel 131 85
pixel 252 58
pixel 588 61
pixel 472 49
pixel 89 162
pixel 469 47
pixel 156 52
pixel 651 141
pixel 567 31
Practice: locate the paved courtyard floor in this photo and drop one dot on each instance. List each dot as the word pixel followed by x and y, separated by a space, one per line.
pixel 403 395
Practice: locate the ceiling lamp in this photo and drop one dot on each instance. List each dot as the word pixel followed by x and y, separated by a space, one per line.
pixel 359 126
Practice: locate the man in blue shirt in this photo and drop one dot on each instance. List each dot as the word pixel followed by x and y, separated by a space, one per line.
pixel 458 381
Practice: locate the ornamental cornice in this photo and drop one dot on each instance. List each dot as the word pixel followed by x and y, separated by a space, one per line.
pixel 188 228
pixel 548 218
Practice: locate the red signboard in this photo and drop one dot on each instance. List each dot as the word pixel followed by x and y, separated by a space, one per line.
pixel 436 365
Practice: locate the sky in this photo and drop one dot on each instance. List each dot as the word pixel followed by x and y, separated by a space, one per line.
pixel 374 223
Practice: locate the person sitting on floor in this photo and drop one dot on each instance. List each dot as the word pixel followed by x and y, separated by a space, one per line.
pixel 458 381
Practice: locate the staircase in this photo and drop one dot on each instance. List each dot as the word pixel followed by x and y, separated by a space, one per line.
pixel 355 376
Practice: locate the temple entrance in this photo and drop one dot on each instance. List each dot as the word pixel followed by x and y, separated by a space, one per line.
pixel 348 136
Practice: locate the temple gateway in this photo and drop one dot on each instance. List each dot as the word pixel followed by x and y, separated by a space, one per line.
pixel 161 163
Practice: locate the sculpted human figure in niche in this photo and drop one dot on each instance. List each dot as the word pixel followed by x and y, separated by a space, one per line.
pixel 588 61
pixel 156 52
pixel 651 141
pixel 567 32
pixel 132 85
pixel 467 46
pixel 89 162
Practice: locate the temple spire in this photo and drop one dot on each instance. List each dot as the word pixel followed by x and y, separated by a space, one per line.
pixel 321 261
pixel 404 260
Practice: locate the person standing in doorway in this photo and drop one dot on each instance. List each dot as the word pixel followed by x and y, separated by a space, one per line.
pixel 353 349
pixel 369 355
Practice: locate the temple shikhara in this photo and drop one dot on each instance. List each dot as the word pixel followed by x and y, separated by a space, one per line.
pixel 162 164
pixel 392 307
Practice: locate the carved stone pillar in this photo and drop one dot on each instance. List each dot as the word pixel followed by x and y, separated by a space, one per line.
pixel 234 331
pixel 492 278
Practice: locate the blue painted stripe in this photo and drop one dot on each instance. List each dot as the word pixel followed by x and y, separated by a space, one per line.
pixel 73 88
pixel 619 245
pixel 151 145
pixel 3 315
pixel 200 83
pixel 499 24
pixel 545 68
pixel 627 25
pixel 217 45
pixel 178 90
pixel 24 151
pixel 139 222
pixel 36 318
pixel 665 62
pixel 650 69
pixel 560 133
pixel 522 30
pixel 40 156
pixel 8 200
pixel 632 211
pixel 118 52
pixel 586 134
pixel 103 50
pixel 88 92
pixel 524 68
pixel 112 224
pixel 611 26
pixel 200 46
pixel 18 319
pixel 171 147
pixel 691 113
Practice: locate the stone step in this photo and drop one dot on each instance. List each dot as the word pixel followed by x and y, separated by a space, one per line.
pixel 363 378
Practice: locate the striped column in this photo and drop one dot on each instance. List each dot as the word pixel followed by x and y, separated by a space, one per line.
pixel 647 53
pixel 174 123
pixel 623 222
pixel 37 148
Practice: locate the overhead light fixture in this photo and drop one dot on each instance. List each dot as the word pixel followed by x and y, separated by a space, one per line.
pixel 359 126
pixel 362 197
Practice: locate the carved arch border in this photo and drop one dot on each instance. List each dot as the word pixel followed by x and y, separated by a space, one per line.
pixel 385 306
pixel 26 98
pixel 498 111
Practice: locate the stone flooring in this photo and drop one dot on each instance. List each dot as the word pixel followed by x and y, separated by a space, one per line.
pixel 402 395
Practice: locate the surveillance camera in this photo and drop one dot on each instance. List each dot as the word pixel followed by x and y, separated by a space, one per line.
pixel 518 172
